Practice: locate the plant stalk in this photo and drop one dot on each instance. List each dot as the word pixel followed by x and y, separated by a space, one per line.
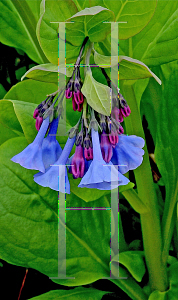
pixel 150 221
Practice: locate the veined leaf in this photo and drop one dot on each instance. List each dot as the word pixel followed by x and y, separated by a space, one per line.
pixel 135 14
pixel 129 68
pixel 18 21
pixel 47 32
pixel 89 22
pixel 157 43
pixel 97 94
pixel 164 47
pixel 48 73
pixel 78 293
pixel 86 22
pixel 133 261
pixel 31 245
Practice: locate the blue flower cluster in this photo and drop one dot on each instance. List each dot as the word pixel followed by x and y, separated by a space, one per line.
pixel 102 154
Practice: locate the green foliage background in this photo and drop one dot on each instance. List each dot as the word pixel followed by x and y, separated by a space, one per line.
pixel 28 213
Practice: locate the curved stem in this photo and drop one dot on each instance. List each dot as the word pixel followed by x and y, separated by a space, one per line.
pixel 87 57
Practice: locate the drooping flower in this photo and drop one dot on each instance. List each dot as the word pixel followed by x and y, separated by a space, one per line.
pixel 100 144
pixel 101 175
pixel 128 153
pixel 31 157
pixel 55 174
pixel 51 150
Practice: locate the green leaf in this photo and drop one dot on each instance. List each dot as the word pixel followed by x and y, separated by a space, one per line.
pixel 134 69
pixel 89 22
pixel 164 47
pixel 137 14
pixel 97 94
pixel 166 155
pixel 133 199
pixel 47 73
pixel 78 293
pixel 47 33
pixel 18 115
pixel 18 27
pixel 7 133
pixel 150 106
pixel 81 4
pixel 31 91
pixel 129 68
pixel 24 112
pixel 166 152
pixel 156 44
pixel 2 91
pixel 8 117
pixel 29 214
pixel 126 187
pixel 133 261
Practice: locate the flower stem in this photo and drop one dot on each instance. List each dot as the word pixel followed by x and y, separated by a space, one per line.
pixel 150 221
pixel 81 51
pixel 87 57
pixel 85 113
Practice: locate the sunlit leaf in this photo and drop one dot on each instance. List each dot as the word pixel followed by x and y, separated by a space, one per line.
pixel 97 94
pixel 18 21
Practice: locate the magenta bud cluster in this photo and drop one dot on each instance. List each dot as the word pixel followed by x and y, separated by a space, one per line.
pixel 73 90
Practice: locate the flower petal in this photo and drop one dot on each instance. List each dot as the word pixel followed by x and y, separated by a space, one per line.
pixel 128 153
pixel 31 156
pixel 54 179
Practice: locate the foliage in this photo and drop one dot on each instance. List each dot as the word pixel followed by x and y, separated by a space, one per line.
pixel 148 73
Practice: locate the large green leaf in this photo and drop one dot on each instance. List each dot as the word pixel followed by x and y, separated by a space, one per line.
pixel 78 293
pixel 47 32
pixel 18 21
pixel 31 91
pixel 97 94
pixel 18 115
pixel 7 133
pixel 136 14
pixel 89 22
pixel 24 112
pixel 157 43
pixel 81 4
pixel 48 73
pixel 29 214
pixel 129 68
pixel 166 152
pixel 134 262
pixel 166 156
pixel 164 44
pixel 8 117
